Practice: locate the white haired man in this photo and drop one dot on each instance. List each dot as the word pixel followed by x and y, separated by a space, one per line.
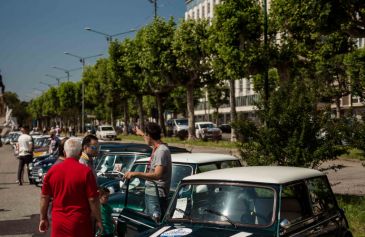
pixel 75 198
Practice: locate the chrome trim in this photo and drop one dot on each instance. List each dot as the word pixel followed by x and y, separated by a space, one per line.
pixel 138 222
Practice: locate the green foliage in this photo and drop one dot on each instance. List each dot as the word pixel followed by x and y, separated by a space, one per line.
pixel 293 135
pixel 355 68
pixel 354 207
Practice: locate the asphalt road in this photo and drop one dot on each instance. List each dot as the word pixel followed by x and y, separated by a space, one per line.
pixel 19 205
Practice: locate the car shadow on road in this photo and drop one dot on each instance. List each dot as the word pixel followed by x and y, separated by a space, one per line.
pixel 28 226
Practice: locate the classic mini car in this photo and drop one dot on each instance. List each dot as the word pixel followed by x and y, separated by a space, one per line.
pixel 249 201
pixel 183 165
pixel 207 130
pixel 39 168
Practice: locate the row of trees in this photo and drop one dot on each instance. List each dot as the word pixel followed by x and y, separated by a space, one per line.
pixel 310 57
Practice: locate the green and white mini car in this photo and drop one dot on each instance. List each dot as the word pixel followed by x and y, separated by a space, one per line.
pixel 247 201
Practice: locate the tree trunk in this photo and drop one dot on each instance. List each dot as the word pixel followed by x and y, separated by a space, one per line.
pixel 140 111
pixel 232 100
pixel 190 107
pixel 160 109
pixel 111 117
pixel 126 117
pixel 338 108
pixel 217 116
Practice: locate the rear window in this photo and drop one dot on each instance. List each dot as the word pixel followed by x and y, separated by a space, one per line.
pixel 218 165
pixel 107 129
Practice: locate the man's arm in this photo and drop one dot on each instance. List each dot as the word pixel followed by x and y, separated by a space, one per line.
pixel 95 210
pixel 43 223
pixel 149 176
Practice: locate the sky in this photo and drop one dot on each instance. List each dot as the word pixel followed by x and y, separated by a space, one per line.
pixel 34 34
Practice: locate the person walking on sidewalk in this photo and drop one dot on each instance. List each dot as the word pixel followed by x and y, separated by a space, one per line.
pixel 25 152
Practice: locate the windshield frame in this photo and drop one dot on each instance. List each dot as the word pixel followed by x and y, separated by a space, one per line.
pixel 169 220
pixel 103 157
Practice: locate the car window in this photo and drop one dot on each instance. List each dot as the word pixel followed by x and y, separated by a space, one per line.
pixel 107 129
pixel 206 125
pixel 143 197
pixel 179 172
pixel 218 165
pixel 321 197
pixel 106 164
pixel 223 203
pixel 295 204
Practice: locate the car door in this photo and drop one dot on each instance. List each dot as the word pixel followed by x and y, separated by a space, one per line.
pixel 135 218
pixel 309 209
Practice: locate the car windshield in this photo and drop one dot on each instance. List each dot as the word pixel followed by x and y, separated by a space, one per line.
pixel 223 204
pixel 206 125
pixel 182 122
pixel 107 129
pixel 117 162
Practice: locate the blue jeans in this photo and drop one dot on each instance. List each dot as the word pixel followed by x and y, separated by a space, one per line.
pixel 155 207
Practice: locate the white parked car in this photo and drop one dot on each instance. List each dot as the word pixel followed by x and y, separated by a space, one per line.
pixel 207 130
pixel 178 125
pixel 106 132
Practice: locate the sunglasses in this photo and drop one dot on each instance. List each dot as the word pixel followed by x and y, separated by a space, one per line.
pixel 93 147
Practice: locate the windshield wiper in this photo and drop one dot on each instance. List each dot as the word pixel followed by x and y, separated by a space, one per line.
pixel 221 214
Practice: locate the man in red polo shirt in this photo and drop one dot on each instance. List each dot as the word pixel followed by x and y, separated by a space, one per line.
pixel 75 198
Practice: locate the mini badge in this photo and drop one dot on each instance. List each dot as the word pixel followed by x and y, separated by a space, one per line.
pixel 177 232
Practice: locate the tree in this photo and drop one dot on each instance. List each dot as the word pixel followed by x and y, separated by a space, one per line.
pixel 190 45
pixel 218 95
pixel 236 38
pixel 158 61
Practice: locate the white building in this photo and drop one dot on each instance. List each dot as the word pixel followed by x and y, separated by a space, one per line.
pixel 245 95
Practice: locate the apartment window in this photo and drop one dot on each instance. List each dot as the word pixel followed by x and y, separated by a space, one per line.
pixel 208 7
pixel 240 86
pixel 193 14
pixel 197 14
pixel 248 86
pixel 203 12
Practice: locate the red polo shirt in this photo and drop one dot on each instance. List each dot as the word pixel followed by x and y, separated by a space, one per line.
pixel 70 184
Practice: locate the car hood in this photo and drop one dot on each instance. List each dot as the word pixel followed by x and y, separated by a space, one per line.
pixel 196 230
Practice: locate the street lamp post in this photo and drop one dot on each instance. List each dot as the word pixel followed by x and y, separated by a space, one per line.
pixel 46 84
pixel 58 79
pixel 82 61
pixel 154 6
pixel 109 37
pixel 67 71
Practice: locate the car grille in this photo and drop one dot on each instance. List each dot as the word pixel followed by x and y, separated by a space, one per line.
pixel 34 173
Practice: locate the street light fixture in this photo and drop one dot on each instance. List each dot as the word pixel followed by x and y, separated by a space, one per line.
pixel 109 37
pixel 67 71
pixel 46 84
pixel 54 77
pixel 82 61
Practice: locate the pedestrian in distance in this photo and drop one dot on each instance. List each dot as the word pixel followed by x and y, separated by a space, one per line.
pixel 75 196
pixel 106 213
pixel 158 170
pixel 24 149
pixel 55 143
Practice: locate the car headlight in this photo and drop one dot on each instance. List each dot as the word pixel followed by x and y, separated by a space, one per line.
pixel 117 209
pixel 40 172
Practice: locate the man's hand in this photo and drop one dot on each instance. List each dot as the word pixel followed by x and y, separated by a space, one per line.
pixel 43 225
pixel 139 132
pixel 129 175
pixel 100 226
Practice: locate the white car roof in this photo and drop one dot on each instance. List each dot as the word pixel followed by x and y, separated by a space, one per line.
pixel 196 158
pixel 258 174
pixel 204 123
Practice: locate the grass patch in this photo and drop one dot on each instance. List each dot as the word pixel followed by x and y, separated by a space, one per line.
pixel 170 140
pixel 354 154
pixel 354 207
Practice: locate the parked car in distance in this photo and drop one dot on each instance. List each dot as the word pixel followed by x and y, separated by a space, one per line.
pixel 177 127
pixel 207 130
pixel 183 165
pixel 106 132
pixel 253 201
pixel 226 128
